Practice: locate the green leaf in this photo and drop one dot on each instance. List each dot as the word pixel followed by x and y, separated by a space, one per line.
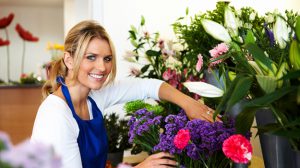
pixel 249 37
pixel 132 35
pixel 152 53
pixel 267 83
pixel 226 96
pixel 187 11
pixel 145 68
pixel 264 101
pixel 240 90
pixel 245 120
pixel 259 55
pixel 297 29
pixel 142 21
pixel 291 75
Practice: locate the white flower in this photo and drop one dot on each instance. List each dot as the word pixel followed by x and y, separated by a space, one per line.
pixel 281 32
pixel 173 63
pixel 231 22
pixel 216 30
pixel 269 18
pixel 252 16
pixel 203 89
pixel 129 56
pixel 177 47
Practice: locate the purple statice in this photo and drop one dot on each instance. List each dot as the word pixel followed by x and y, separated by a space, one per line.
pixel 144 125
pixel 173 123
pixel 4 141
pixel 270 34
pixel 206 137
pixel 31 155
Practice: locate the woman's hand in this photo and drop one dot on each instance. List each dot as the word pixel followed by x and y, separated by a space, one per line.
pixel 194 109
pixel 158 160
pixel 197 110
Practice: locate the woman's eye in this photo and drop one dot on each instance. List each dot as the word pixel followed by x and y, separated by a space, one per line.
pixel 108 59
pixel 91 57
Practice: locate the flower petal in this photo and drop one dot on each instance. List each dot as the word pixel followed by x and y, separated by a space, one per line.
pixel 216 30
pixel 203 89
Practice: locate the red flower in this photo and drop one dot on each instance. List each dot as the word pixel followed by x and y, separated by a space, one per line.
pixel 182 138
pixel 25 35
pixel 5 21
pixel 237 148
pixel 4 42
pixel 24 75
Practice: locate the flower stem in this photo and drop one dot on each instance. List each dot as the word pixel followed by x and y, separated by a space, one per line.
pixel 23 58
pixel 7 47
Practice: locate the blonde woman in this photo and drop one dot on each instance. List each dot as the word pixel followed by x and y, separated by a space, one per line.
pixel 81 86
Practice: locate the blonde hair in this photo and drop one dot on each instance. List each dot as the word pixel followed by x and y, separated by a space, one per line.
pixel 76 43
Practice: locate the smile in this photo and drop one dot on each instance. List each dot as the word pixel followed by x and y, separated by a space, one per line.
pixel 96 76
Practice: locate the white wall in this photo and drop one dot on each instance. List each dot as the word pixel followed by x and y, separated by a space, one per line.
pixel 44 22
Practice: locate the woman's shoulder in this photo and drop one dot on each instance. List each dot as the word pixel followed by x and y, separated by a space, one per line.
pixel 54 105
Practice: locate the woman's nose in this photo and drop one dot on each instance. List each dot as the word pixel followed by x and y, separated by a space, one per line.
pixel 100 65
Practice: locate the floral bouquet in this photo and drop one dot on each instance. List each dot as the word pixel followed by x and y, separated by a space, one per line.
pixel 26 155
pixel 260 65
pixel 195 143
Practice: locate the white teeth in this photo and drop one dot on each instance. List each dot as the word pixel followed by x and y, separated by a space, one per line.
pixel 96 76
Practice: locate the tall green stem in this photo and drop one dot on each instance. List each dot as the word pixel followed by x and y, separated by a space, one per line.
pixel 7 50
pixel 23 58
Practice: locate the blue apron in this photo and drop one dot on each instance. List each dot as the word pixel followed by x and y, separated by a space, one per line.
pixel 92 139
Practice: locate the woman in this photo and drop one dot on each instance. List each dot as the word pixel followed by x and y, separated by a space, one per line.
pixel 81 86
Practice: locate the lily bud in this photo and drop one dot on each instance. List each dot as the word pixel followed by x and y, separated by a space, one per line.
pixel 281 32
pixel 231 21
pixel 203 89
pixel 216 30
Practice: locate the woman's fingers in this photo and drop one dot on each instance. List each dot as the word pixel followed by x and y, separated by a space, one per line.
pixel 161 155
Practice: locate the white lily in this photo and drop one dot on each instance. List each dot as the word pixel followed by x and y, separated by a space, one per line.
pixel 231 22
pixel 216 30
pixel 281 32
pixel 203 89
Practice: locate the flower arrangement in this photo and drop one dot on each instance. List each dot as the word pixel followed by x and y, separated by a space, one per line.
pixel 4 23
pixel 30 79
pixel 56 50
pixel 264 56
pixel 26 155
pixel 253 59
pixel 195 143
pixel 25 36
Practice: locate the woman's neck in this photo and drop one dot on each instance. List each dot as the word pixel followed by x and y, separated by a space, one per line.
pixel 79 96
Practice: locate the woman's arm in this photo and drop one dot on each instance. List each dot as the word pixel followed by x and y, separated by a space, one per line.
pixel 194 109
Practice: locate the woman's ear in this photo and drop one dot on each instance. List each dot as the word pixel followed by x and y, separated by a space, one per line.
pixel 69 61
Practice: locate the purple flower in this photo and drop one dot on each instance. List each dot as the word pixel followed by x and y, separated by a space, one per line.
pixel 270 34
pixel 4 141
pixel 28 155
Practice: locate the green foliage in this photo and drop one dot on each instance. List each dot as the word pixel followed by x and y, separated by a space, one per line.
pixel 133 106
pixel 117 132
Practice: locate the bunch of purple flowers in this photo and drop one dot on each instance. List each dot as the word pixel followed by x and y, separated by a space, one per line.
pixel 144 129
pixel 26 154
pixel 204 147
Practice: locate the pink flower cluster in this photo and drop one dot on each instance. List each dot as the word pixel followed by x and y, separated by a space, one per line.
pixel 219 50
pixel 181 140
pixel 237 148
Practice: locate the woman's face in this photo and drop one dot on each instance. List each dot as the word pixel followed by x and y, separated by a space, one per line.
pixel 96 64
